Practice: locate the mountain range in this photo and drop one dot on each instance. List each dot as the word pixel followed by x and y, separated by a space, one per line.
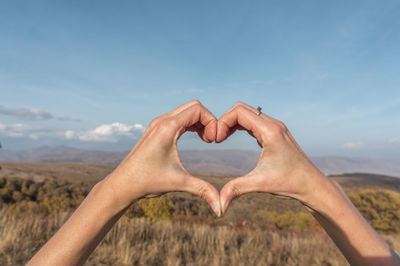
pixel 221 162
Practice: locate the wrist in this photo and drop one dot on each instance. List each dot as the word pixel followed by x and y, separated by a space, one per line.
pixel 115 196
pixel 320 193
pixel 327 198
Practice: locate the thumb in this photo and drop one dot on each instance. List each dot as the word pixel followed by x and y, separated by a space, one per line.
pixel 204 190
pixel 235 188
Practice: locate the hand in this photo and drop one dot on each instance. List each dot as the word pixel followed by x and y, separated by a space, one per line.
pixel 153 166
pixel 283 168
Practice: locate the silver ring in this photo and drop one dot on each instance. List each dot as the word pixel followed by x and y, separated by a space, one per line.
pixel 259 110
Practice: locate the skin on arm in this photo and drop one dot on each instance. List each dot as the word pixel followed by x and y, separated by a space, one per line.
pixel 152 167
pixel 284 169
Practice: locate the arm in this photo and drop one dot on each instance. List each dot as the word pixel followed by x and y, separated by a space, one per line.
pixel 152 167
pixel 284 169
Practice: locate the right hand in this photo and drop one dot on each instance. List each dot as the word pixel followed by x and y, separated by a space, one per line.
pixel 283 168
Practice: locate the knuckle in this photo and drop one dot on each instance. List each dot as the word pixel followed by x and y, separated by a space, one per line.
pixel 238 103
pixel 282 125
pixel 195 102
pixel 154 122
pixel 275 131
pixel 240 108
pixel 166 124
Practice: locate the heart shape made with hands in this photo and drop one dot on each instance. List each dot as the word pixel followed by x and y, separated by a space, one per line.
pixel 153 167
pixel 227 125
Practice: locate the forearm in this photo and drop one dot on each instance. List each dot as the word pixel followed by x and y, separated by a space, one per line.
pixel 357 240
pixel 87 226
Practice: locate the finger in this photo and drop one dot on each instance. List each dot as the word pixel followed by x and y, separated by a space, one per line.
pixel 183 107
pixel 205 190
pixel 198 114
pixel 242 116
pixel 269 118
pixel 207 134
pixel 251 108
pixel 234 129
pixel 235 188
pixel 198 128
pixel 175 111
pixel 238 127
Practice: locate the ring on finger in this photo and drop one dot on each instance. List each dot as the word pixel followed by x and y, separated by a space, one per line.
pixel 259 110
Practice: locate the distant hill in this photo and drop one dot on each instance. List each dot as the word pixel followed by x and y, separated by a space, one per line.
pixel 338 165
pixel 364 180
pixel 62 154
pixel 92 173
pixel 221 162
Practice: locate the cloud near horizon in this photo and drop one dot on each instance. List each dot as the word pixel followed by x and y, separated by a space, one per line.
pixel 18 131
pixel 32 114
pixel 354 145
pixel 107 133
pixel 394 140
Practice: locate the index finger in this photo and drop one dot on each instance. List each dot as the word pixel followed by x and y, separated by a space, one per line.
pixel 241 116
pixel 197 114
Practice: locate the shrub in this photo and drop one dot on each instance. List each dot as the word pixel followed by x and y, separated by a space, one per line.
pixel 2 182
pixel 380 207
pixel 6 195
pixel 290 220
pixel 156 208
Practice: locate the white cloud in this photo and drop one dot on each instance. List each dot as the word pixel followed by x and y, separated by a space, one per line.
pixel 354 145
pixel 69 134
pixel 107 132
pixel 103 133
pixel 394 140
pixel 14 130
pixel 33 136
pixel 14 134
pixel 24 131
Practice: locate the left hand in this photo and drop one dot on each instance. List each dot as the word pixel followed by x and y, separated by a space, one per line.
pixel 154 167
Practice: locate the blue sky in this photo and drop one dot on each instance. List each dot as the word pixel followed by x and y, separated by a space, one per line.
pixel 92 74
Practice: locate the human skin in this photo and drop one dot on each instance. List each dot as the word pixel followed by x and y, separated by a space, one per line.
pixel 284 169
pixel 153 167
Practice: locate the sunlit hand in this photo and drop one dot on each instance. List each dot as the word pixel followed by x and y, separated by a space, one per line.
pixel 282 169
pixel 153 166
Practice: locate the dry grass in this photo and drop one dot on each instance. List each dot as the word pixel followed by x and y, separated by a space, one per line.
pixel 191 237
pixel 141 242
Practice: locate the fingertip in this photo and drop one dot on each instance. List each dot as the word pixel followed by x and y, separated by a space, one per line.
pixel 225 205
pixel 213 200
pixel 211 131
pixel 206 191
pixel 225 198
pixel 215 206
pixel 222 131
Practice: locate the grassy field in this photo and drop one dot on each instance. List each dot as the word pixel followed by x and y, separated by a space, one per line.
pixel 139 241
pixel 178 228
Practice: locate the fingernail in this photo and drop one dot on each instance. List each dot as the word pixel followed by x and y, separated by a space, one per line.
pixel 213 130
pixel 225 206
pixel 215 207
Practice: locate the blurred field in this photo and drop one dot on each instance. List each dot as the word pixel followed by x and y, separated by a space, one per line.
pixel 178 228
pixel 89 173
